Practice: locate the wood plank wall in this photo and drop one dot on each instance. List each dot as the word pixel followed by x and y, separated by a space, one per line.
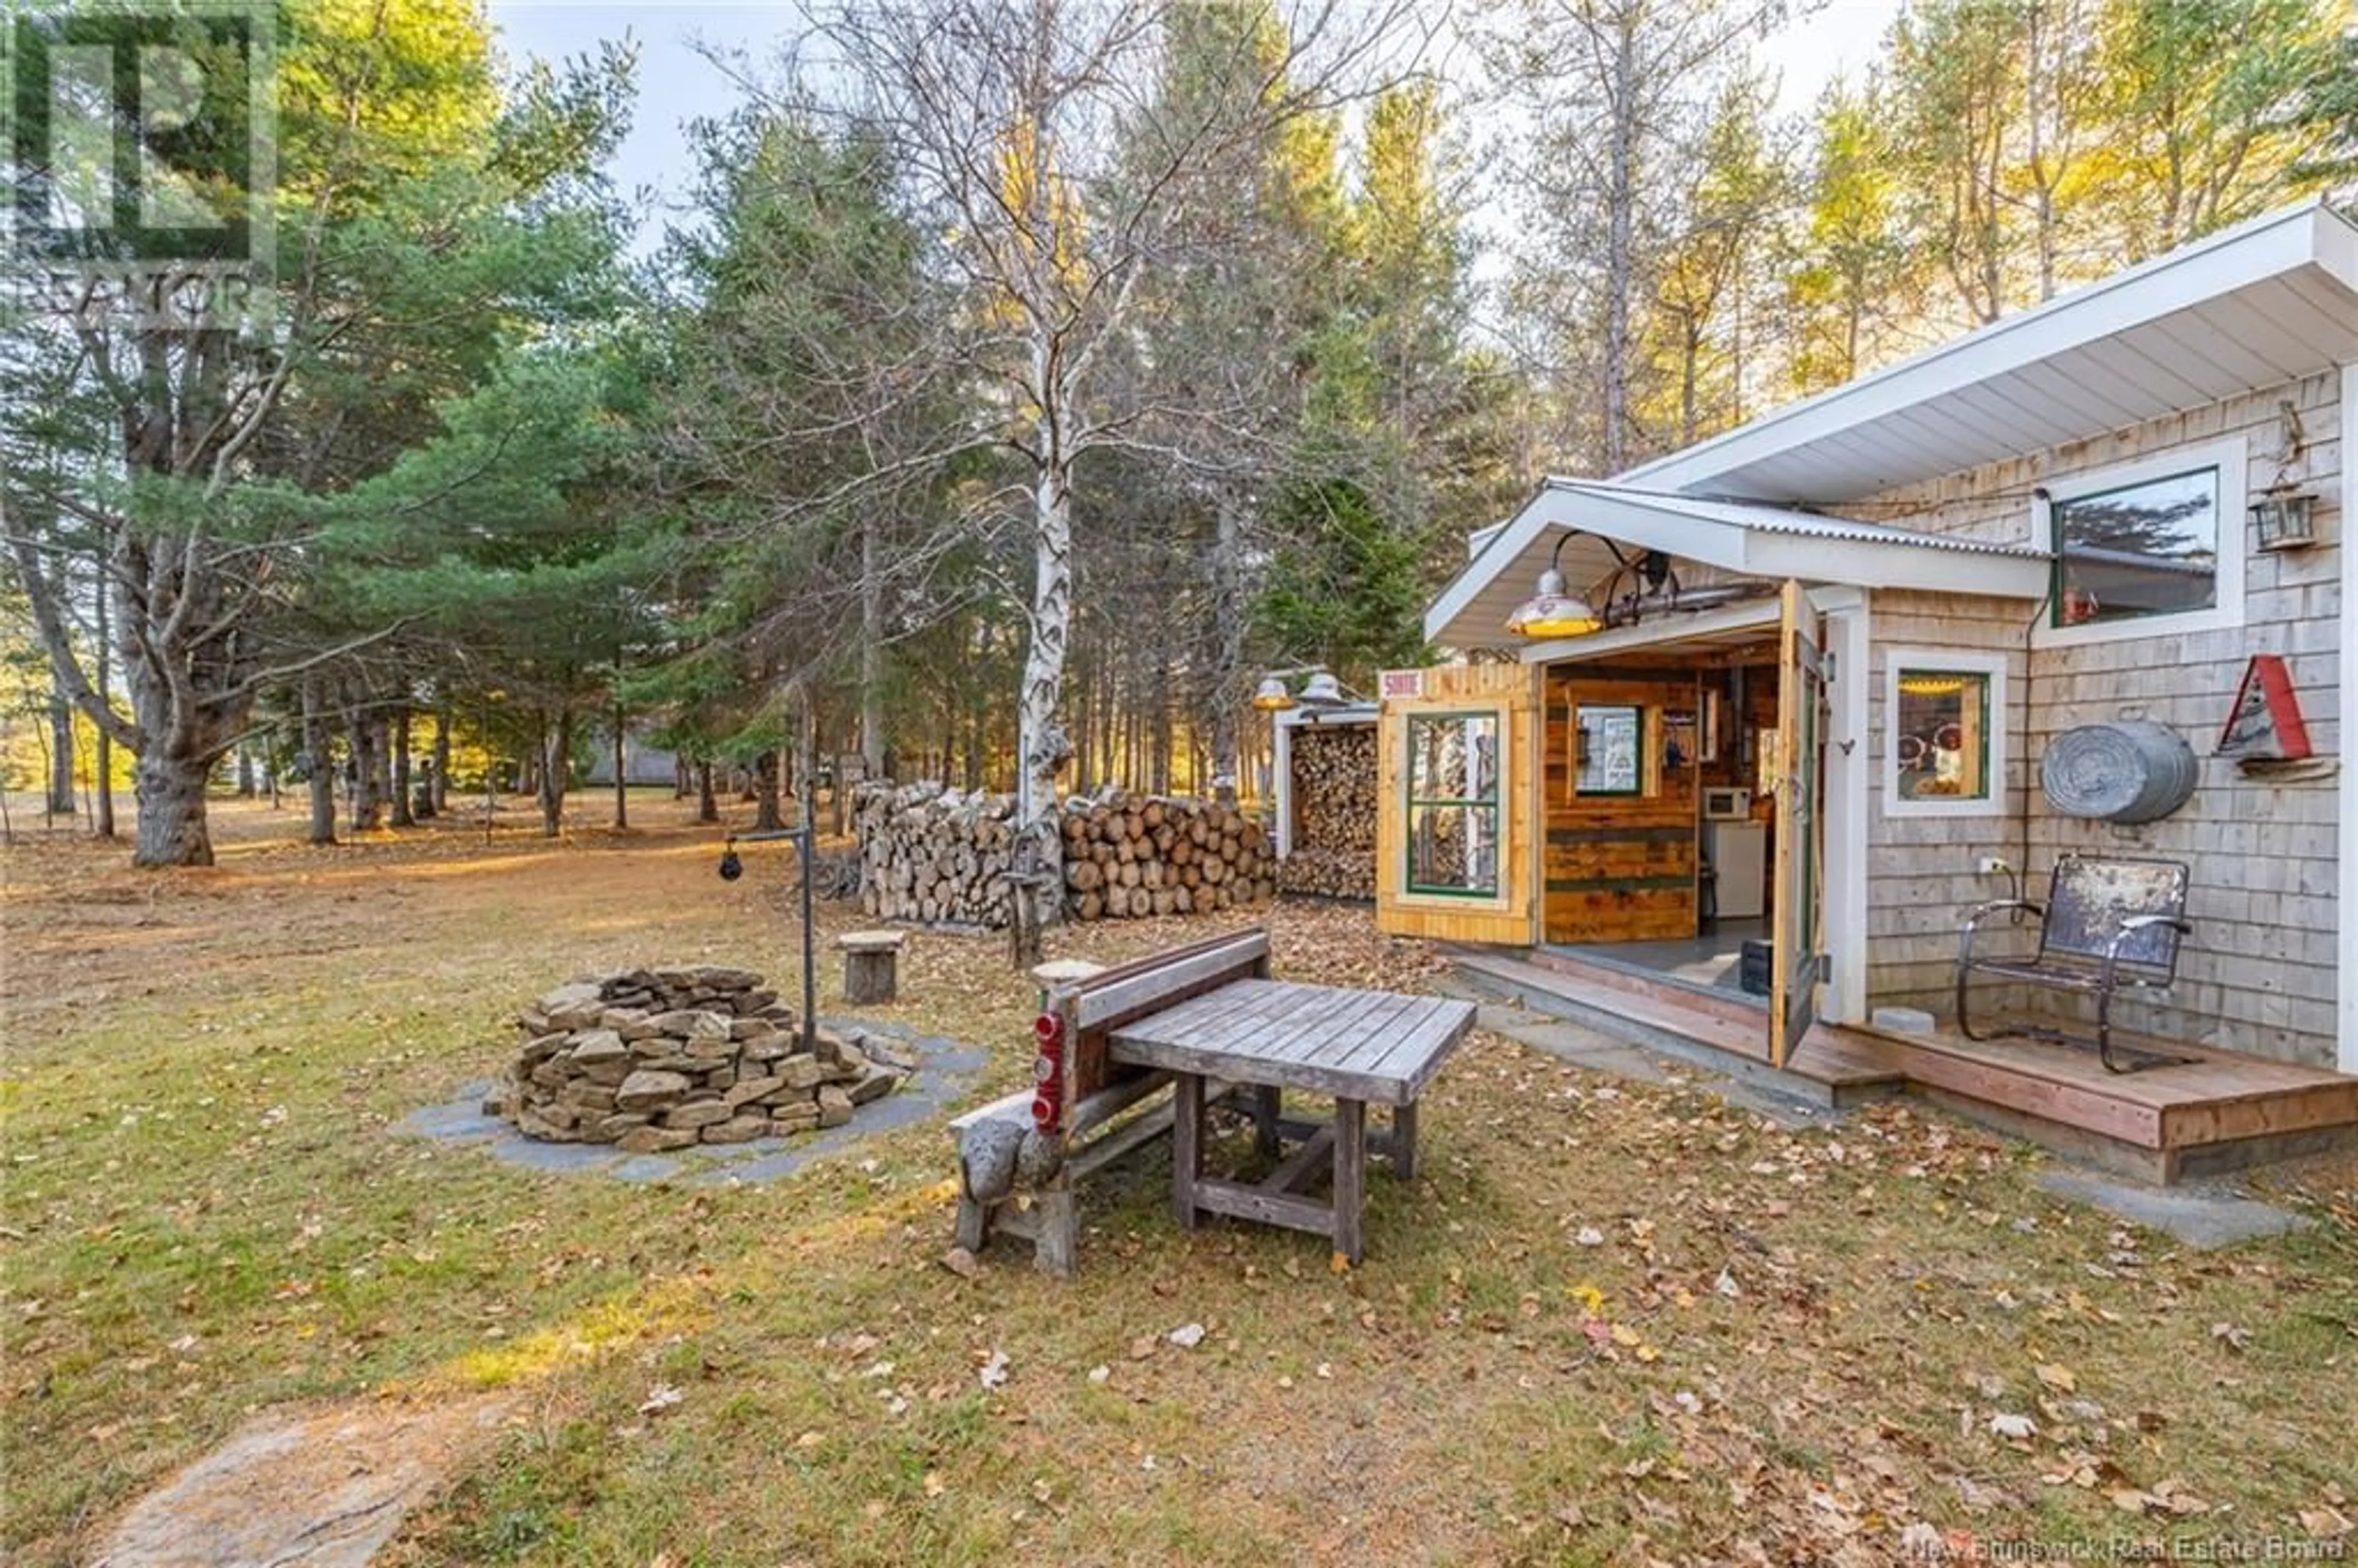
pixel 1620 867
pixel 1513 691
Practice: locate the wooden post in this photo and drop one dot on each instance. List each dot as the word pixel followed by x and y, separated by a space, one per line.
pixel 1059 1241
pixel 870 965
pixel 1186 1146
pixel 1268 1104
pixel 1350 1178
pixel 1402 1148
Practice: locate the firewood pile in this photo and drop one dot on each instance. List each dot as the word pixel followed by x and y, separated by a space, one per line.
pixel 1333 853
pixel 940 856
pixel 1129 857
pixel 934 855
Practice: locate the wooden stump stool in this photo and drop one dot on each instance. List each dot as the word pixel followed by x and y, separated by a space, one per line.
pixel 1057 973
pixel 872 961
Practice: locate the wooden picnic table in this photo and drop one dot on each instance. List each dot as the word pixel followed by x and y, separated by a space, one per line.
pixel 1362 1047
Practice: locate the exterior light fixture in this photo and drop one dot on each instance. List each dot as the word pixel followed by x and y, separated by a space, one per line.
pixel 2286 519
pixel 1323 690
pixel 1270 696
pixel 1931 686
pixel 1551 612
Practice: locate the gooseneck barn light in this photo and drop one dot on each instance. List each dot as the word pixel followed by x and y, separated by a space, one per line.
pixel 1552 611
pixel 1270 696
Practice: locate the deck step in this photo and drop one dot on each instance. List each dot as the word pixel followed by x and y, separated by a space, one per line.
pixel 2217 1113
pixel 1608 974
pixel 1824 1072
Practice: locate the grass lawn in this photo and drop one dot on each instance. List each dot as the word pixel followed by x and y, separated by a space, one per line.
pixel 1608 1323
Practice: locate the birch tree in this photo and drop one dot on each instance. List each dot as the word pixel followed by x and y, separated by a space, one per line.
pixel 1059 180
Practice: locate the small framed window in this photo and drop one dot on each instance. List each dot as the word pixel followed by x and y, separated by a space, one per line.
pixel 1609 749
pixel 1454 760
pixel 1945 723
pixel 2150 549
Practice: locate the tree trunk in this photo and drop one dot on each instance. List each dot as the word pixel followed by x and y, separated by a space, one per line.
pixel 871 654
pixel 1229 617
pixel 361 733
pixel 708 809
pixel 61 801
pixel 1621 196
pixel 320 773
pixel 172 829
pixel 1040 746
pixel 103 823
pixel 381 742
pixel 245 789
pixel 767 819
pixel 440 782
pixel 556 759
pixel 622 775
pixel 400 749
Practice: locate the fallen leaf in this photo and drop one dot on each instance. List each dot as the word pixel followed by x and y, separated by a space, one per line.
pixel 2016 1427
pixel 962 1263
pixel 994 1371
pixel 663 1398
pixel 2057 1377
pixel 2233 1338
pixel 1187 1336
pixel 1098 1375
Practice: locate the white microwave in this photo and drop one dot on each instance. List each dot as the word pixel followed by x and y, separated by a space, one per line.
pixel 1728 804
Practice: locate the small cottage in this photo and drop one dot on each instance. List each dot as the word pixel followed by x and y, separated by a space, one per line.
pixel 1775 713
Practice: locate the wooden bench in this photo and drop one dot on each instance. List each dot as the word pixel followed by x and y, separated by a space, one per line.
pixel 2106 924
pixel 1017 1173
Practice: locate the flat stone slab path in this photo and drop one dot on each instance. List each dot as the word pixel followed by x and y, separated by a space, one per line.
pixel 323 1488
pixel 944 1069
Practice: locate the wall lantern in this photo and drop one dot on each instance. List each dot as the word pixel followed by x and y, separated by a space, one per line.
pixel 2286 518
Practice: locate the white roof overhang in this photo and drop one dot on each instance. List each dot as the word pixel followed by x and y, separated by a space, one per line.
pixel 2267 302
pixel 1748 540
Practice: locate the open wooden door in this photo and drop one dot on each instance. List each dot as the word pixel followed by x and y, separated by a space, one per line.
pixel 1795 773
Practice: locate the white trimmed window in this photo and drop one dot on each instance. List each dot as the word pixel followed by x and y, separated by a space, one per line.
pixel 1945 732
pixel 2153 548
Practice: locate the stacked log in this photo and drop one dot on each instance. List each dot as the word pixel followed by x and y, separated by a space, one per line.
pixel 1127 858
pixel 934 856
pixel 1332 771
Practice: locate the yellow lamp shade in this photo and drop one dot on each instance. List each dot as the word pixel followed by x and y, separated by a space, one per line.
pixel 1553 615
pixel 1271 696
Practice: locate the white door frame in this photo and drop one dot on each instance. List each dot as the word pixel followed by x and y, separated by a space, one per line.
pixel 1843 826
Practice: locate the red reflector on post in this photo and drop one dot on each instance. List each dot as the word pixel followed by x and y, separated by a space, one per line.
pixel 1043 1113
pixel 1049 1027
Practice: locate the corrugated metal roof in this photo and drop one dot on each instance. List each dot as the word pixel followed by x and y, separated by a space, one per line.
pixel 1783 520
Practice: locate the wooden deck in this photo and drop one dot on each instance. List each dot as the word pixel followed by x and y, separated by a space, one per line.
pixel 2220 1112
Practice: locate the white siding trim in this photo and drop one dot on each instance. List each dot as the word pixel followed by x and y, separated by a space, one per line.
pixel 2235 516
pixel 1961 661
pixel 1847 766
pixel 2346 845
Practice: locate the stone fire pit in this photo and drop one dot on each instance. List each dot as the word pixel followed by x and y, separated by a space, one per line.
pixel 654 1060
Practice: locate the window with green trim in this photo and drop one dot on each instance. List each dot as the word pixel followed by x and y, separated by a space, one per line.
pixel 1609 749
pixel 1453 803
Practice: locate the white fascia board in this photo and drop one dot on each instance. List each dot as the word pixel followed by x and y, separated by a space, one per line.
pixel 2308 235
